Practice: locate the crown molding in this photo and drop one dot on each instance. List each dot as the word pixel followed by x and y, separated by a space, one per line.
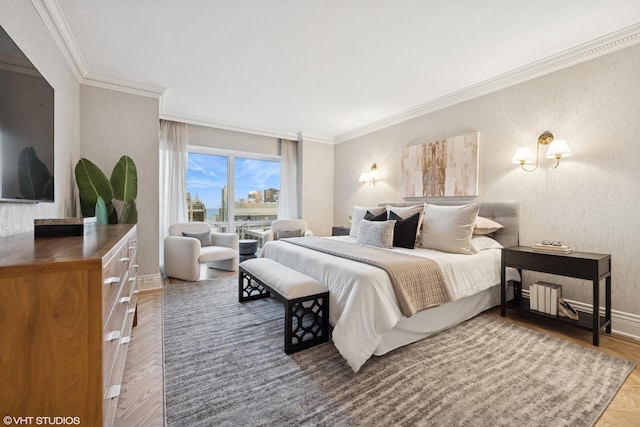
pixel 121 85
pixel 54 20
pixel 51 15
pixel 601 46
pixel 236 127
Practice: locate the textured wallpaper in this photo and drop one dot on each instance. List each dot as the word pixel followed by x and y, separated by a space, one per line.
pixel 590 202
pixel 114 124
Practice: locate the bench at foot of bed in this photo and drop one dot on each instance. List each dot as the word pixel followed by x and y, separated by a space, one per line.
pixel 306 301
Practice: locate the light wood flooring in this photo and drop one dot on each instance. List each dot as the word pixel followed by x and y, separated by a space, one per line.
pixel 141 402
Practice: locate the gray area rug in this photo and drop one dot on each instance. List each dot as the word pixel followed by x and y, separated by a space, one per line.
pixel 225 366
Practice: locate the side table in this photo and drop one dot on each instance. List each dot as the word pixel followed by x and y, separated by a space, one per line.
pixel 580 265
pixel 248 248
pixel 340 230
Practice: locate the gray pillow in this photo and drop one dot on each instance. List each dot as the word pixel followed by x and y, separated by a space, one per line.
pixel 376 233
pixel 283 234
pixel 203 236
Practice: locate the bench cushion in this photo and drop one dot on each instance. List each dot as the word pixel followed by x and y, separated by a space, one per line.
pixel 289 283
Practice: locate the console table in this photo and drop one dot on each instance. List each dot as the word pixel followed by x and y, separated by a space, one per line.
pixel 580 265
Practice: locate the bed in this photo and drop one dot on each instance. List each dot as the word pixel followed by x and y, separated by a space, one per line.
pixel 366 317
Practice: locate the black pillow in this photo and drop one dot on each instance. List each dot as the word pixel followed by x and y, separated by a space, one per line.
pixel 371 217
pixel 405 230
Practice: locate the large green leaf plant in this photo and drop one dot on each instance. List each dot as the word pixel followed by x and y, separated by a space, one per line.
pixel 97 191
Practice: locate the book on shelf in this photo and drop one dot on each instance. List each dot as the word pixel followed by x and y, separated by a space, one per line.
pixel 551 249
pixel 544 297
pixel 533 297
pixel 555 295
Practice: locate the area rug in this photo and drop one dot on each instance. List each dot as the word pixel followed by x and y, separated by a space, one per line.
pixel 225 366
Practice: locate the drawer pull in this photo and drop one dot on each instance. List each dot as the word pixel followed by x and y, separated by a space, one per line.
pixel 135 266
pixel 135 292
pixel 124 299
pixel 132 248
pixel 131 310
pixel 111 280
pixel 132 279
pixel 125 259
pixel 125 340
pixel 112 336
pixel 113 392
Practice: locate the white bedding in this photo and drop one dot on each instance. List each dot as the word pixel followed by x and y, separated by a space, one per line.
pixel 363 305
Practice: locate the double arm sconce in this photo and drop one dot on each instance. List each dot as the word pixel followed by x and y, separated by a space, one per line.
pixel 558 148
pixel 368 178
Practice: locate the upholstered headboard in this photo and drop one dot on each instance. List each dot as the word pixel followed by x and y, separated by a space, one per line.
pixel 506 213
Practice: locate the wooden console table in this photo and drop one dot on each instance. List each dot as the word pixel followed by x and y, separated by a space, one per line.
pixel 580 265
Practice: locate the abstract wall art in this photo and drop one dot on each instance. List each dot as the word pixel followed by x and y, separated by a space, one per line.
pixel 444 168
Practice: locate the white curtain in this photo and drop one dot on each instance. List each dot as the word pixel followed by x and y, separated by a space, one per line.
pixel 174 155
pixel 288 201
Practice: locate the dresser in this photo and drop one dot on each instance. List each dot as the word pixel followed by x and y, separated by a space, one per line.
pixel 67 306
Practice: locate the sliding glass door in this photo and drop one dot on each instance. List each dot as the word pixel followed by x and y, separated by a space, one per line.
pixel 233 192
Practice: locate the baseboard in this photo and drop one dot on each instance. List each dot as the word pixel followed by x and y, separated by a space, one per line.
pixel 149 282
pixel 622 323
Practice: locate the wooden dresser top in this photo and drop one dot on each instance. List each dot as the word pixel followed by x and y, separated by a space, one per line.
pixel 23 249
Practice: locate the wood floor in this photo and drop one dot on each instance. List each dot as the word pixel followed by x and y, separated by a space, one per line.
pixel 141 402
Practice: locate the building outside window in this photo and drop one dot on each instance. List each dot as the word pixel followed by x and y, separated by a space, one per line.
pixel 252 181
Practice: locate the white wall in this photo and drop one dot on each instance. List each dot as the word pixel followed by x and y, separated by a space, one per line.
pixel 115 124
pixel 23 24
pixel 590 202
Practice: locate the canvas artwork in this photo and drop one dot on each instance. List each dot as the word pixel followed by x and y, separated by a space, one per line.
pixel 444 168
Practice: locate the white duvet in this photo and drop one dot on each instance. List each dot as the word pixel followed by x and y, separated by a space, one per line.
pixel 363 305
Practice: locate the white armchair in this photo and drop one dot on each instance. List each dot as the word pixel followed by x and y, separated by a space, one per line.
pixel 190 244
pixel 281 228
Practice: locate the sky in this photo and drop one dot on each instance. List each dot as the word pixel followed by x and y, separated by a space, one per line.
pixel 207 175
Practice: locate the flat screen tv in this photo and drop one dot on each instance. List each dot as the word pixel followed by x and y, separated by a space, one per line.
pixel 26 128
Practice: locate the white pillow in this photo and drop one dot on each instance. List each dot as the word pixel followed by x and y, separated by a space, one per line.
pixel 480 243
pixel 405 212
pixel 486 226
pixel 376 233
pixel 449 228
pixel 358 213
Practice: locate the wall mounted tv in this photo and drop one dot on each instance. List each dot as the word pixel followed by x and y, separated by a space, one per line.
pixel 26 128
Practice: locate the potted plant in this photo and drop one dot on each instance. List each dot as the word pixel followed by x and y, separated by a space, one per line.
pixel 97 192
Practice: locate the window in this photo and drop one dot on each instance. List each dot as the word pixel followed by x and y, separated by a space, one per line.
pixel 252 182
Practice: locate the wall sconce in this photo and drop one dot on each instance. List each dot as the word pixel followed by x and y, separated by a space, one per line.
pixel 558 148
pixel 368 178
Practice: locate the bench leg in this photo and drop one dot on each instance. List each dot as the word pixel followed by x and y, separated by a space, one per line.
pixel 249 288
pixel 306 322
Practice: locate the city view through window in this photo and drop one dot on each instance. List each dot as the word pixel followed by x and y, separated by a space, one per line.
pixel 254 186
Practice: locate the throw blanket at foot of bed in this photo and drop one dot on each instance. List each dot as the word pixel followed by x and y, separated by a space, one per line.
pixel 418 282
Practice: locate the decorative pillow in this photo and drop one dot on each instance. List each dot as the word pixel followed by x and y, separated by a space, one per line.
pixel 203 236
pixel 358 213
pixel 405 212
pixel 486 226
pixel 376 233
pixel 449 228
pixel 404 232
pixel 480 243
pixel 371 217
pixel 283 234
